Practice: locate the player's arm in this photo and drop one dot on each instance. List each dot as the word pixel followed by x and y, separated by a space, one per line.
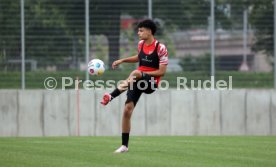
pixel 132 59
pixel 163 62
pixel 160 72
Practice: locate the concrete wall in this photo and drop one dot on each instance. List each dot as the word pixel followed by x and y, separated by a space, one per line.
pixel 170 112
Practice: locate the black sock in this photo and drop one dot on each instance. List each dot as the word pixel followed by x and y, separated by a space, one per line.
pixel 115 93
pixel 125 137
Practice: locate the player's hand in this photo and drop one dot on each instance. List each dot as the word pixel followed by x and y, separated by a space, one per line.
pixel 116 63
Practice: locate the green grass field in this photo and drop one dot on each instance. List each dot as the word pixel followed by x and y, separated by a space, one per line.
pixel 144 152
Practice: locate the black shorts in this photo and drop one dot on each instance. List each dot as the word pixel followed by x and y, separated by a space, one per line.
pixel 143 85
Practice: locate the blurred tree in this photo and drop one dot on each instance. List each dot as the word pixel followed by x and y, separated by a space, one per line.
pixel 180 14
pixel 184 14
pixel 104 19
pixel 260 18
pixel 45 29
pixel 47 34
pixel 50 22
pixel 9 29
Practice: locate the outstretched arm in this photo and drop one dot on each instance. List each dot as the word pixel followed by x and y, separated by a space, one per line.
pixel 132 59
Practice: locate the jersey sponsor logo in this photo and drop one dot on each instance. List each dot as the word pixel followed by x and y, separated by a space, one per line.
pixel 146 59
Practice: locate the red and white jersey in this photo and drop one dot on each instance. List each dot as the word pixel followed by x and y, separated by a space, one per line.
pixel 162 53
pixel 161 50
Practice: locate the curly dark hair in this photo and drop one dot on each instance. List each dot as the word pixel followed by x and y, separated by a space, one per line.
pixel 148 24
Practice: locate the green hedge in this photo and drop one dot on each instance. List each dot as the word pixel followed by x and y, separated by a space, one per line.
pixel 35 80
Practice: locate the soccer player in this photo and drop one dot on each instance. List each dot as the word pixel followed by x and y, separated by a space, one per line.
pixel 153 59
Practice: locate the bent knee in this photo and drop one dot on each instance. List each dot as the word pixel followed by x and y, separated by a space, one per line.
pixel 136 73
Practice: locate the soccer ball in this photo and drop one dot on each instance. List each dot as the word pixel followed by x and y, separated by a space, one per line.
pixel 96 67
